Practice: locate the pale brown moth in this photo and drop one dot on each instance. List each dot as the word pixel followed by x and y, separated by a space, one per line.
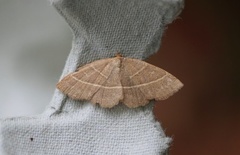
pixel 109 81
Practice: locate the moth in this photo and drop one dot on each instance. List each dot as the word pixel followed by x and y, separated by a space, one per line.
pixel 111 81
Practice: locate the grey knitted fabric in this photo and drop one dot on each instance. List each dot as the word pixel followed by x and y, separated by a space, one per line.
pixel 101 28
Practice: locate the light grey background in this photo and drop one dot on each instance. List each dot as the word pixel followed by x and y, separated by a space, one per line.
pixel 34 44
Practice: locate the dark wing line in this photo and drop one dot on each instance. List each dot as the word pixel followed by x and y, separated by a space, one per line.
pixel 131 81
pixel 97 78
pixel 86 67
pixel 145 80
pixel 103 83
pixel 100 72
pixel 138 71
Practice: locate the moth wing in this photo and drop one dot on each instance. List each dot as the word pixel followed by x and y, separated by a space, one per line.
pixel 98 82
pixel 143 82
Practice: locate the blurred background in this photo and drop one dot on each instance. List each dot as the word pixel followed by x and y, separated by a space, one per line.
pixel 34 44
pixel 200 48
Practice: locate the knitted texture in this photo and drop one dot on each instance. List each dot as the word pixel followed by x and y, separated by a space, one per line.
pixel 101 29
pixel 89 130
